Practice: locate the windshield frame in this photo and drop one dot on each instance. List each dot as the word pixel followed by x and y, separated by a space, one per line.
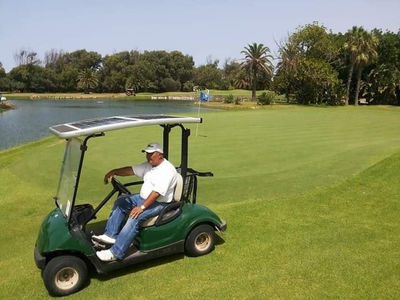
pixel 69 175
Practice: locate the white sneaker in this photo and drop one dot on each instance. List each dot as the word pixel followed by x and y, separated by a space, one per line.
pixel 103 238
pixel 106 255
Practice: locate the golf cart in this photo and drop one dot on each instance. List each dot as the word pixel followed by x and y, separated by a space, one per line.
pixel 65 250
pixel 130 92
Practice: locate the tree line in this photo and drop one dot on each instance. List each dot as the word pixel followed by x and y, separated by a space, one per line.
pixel 314 66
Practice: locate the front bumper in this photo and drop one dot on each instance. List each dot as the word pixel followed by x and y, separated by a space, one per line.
pixel 223 225
pixel 40 260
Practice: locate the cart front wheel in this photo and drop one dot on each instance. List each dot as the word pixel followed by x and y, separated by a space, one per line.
pixel 65 275
pixel 200 240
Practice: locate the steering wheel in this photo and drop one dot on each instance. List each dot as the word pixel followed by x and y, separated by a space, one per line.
pixel 119 186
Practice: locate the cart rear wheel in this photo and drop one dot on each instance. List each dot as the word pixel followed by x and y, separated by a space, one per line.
pixel 200 241
pixel 65 275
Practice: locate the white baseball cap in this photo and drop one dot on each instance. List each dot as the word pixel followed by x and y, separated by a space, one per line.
pixel 153 147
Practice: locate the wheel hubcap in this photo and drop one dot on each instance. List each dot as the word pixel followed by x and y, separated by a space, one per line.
pixel 203 241
pixel 66 278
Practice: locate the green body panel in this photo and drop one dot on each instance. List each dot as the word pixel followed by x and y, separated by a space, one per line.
pixel 155 237
pixel 54 235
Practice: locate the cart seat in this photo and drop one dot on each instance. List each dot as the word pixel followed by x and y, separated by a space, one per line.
pixel 172 209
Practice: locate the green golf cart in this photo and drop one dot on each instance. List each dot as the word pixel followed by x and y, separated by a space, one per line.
pixel 65 250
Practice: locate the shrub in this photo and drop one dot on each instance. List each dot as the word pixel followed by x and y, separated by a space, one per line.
pixel 188 86
pixel 229 98
pixel 266 98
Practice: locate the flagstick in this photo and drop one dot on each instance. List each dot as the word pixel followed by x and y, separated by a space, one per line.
pixel 198 115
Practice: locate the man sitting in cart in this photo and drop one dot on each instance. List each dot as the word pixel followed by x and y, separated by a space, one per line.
pixel 159 177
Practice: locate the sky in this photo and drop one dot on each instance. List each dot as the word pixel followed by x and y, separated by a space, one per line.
pixel 204 29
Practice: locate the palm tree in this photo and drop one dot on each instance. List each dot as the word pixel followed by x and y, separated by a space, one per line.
pixel 288 64
pixel 87 80
pixel 361 46
pixel 257 58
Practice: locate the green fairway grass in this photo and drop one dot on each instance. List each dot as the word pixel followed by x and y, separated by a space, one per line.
pixel 311 196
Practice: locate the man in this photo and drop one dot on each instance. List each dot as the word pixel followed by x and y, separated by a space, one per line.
pixel 159 177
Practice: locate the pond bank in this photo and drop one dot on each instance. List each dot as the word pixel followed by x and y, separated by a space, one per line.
pixel 6 106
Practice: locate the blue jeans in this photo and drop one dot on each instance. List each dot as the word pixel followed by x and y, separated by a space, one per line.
pixel 122 207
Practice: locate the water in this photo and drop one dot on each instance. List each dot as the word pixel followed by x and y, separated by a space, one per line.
pixel 30 120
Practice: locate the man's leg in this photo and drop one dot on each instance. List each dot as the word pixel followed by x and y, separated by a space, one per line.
pixel 131 229
pixel 122 206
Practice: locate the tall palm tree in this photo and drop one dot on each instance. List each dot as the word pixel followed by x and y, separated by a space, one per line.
pixel 362 49
pixel 257 58
pixel 87 80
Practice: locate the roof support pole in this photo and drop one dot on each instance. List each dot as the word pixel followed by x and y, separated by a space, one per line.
pixel 167 129
pixel 184 151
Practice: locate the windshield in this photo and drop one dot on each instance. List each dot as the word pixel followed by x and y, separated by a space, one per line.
pixel 68 175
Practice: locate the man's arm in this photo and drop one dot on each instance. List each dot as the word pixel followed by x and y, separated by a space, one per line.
pixel 124 171
pixel 136 211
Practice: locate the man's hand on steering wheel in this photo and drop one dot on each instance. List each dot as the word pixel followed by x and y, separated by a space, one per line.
pixel 119 186
pixel 109 176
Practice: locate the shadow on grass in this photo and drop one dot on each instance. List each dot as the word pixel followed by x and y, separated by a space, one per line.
pixel 138 267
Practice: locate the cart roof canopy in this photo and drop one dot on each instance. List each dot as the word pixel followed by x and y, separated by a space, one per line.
pixel 92 126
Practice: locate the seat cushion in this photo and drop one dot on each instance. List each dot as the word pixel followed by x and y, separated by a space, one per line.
pixel 178 187
pixel 149 222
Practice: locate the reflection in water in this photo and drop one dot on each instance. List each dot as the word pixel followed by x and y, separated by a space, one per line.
pixel 30 120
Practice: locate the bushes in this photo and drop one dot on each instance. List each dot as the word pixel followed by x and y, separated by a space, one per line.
pixel 266 98
pixel 231 99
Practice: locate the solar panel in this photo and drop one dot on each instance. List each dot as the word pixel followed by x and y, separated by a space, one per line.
pixel 152 117
pixel 87 127
pixel 63 128
pixel 99 122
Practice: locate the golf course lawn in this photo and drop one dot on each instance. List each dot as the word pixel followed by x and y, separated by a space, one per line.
pixel 311 196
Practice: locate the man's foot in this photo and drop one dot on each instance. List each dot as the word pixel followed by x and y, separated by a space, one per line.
pixel 103 238
pixel 106 255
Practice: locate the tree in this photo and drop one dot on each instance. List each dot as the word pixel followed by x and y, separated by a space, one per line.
pixel 305 69
pixel 67 66
pixel 383 76
pixel 26 57
pixel 52 56
pixel 316 82
pixel 257 59
pixel 286 67
pixel 208 76
pixel 116 69
pixel 4 84
pixel 361 47
pixel 87 80
pixel 32 78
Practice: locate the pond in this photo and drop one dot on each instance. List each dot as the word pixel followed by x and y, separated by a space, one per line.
pixel 30 119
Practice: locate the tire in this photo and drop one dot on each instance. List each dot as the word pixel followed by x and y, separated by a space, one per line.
pixel 200 241
pixel 64 275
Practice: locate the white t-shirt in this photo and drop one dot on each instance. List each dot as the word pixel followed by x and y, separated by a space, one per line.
pixel 161 179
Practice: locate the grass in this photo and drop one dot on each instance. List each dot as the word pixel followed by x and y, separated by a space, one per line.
pixel 311 197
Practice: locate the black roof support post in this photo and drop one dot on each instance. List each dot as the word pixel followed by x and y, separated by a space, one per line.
pixel 184 151
pixel 184 146
pixel 167 129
